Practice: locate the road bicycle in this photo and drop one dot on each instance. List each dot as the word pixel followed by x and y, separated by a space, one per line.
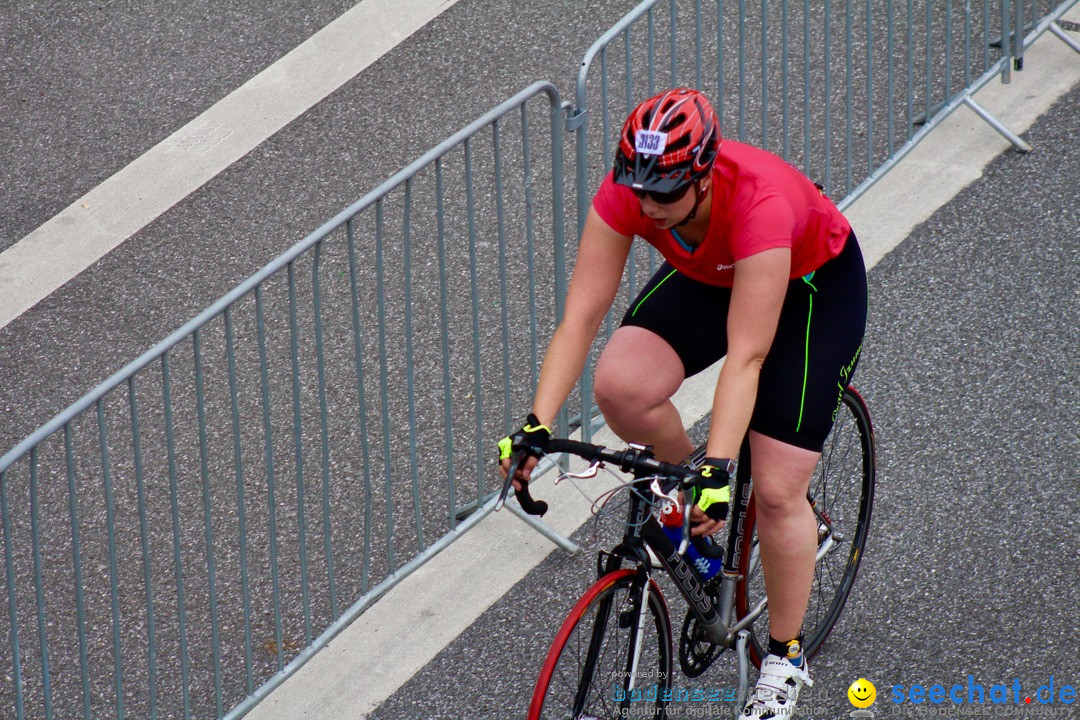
pixel 612 656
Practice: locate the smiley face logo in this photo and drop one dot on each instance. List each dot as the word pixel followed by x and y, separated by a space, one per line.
pixel 862 693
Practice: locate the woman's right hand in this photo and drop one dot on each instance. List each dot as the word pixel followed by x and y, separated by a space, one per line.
pixel 521 475
pixel 536 435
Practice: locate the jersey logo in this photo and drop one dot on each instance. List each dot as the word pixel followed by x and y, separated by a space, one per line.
pixel 723 267
pixel 702 565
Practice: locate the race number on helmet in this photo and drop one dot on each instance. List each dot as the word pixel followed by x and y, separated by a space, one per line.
pixel 668 142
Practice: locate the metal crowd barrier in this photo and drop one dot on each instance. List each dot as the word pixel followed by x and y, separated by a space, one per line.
pixel 181 539
pixel 185 536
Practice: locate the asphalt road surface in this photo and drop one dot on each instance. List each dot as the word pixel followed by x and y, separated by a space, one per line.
pixel 970 363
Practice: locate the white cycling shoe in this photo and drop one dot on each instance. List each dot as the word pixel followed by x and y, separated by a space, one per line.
pixel 777 689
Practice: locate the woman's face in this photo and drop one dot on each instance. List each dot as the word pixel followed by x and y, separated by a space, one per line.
pixel 666 215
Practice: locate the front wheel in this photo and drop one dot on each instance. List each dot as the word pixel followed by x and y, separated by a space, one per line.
pixel 592 669
pixel 842 495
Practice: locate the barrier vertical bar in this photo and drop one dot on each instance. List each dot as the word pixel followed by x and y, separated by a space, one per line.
pixel 605 133
pixel 948 51
pixel 478 390
pixel 629 74
pixel 1018 55
pixel 504 295
pixel 698 55
pixel 807 141
pixel 828 98
pixel 444 341
pixel 324 432
pixel 39 588
pixel 144 540
pixel 410 382
pixel 605 115
pixel 215 627
pixel 114 582
pixel 76 561
pixel 384 391
pixel 241 510
pixel 530 249
pixel 720 60
pixel 910 41
pixel 13 614
pixel 764 73
pixel 890 75
pixel 298 451
pixel 742 70
pixel 848 92
pixel 869 87
pixel 178 560
pixel 651 52
pixel 674 48
pixel 1006 42
pixel 785 70
pixel 967 43
pixel 928 65
pixel 361 398
pixel 271 480
pixel 558 222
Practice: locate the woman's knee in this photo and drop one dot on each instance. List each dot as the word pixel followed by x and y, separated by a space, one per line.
pixel 636 371
pixel 776 501
pixel 620 388
pixel 781 475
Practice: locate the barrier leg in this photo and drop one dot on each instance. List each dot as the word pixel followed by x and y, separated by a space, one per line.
pixel 1065 37
pixel 993 122
pixel 543 528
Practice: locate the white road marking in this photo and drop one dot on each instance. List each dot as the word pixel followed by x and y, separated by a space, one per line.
pixel 112 212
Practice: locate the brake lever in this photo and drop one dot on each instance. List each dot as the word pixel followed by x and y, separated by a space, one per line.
pixel 515 463
pixel 589 472
pixel 685 529
pixel 525 499
pixel 658 491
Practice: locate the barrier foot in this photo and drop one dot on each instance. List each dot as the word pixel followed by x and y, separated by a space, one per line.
pixel 1064 36
pixel 993 122
pixel 542 528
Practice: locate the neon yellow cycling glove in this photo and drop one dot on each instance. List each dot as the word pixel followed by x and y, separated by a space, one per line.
pixel 533 432
pixel 714 487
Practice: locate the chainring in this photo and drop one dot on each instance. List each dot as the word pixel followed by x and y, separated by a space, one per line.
pixel 696 651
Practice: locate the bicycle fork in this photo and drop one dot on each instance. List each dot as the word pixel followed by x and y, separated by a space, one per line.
pixel 642 613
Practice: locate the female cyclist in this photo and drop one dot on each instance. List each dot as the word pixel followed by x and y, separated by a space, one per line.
pixel 760 267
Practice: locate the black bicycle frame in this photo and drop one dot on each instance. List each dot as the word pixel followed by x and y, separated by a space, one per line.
pixel 644 530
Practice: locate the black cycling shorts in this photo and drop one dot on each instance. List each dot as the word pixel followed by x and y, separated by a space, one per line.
pixel 811 360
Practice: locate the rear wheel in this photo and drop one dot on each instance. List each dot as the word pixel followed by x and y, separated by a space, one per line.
pixel 842 493
pixel 590 671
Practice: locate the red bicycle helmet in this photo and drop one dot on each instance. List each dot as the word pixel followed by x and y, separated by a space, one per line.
pixel 668 142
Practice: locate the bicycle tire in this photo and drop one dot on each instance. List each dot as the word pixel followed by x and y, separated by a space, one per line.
pixel 590 654
pixel 843 489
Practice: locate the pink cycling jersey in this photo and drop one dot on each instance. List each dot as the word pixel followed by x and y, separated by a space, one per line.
pixel 759 202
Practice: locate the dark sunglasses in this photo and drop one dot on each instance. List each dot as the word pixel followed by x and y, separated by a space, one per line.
pixel 663 198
